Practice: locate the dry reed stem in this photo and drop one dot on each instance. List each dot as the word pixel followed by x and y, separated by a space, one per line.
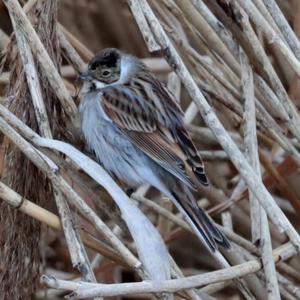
pixel 83 51
pixel 71 53
pixel 20 255
pixel 259 222
pixel 252 281
pixel 144 27
pixel 216 77
pixel 223 137
pixel 288 270
pixel 266 120
pixel 270 72
pixel 217 26
pixel 50 219
pixel 191 52
pixel 28 133
pixel 182 224
pixel 284 26
pixel 25 27
pixel 270 34
pixel 273 105
pixel 46 165
pixel 83 289
pixel 77 252
pixel 210 36
pixel 268 17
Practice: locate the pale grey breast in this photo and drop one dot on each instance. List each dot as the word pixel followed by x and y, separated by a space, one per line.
pixel 112 148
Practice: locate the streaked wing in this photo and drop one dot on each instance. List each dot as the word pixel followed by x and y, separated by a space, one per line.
pixel 166 153
pixel 128 110
pixel 141 104
pixel 148 114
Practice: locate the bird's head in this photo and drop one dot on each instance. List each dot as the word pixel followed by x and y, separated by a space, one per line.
pixel 109 67
pixel 103 69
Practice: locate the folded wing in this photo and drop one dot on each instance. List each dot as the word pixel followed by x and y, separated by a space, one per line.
pixel 155 125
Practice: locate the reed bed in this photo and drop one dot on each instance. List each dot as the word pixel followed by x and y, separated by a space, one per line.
pixel 67 229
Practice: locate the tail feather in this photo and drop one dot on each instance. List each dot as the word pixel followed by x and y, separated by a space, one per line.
pixel 201 222
pixel 217 234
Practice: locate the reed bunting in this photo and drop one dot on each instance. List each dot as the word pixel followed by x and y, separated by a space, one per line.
pixel 135 127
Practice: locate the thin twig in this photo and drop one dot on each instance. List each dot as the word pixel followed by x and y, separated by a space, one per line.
pixel 238 159
pixel 50 219
pixel 144 27
pixel 46 165
pixel 284 26
pixel 24 26
pixel 270 73
pixel 84 290
pixel 71 53
pixel 270 34
pixel 259 221
pixel 77 251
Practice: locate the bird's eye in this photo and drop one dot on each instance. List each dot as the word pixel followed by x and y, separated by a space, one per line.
pixel 105 73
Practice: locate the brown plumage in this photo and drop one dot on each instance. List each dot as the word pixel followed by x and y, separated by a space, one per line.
pixel 155 126
pixel 141 126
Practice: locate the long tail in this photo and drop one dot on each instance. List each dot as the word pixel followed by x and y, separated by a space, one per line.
pixel 202 224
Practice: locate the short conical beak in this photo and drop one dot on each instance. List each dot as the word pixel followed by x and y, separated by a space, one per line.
pixel 84 76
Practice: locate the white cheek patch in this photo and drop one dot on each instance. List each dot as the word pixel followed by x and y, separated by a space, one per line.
pixel 89 86
pixel 99 84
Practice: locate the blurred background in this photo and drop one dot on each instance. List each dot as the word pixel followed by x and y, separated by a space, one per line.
pixel 98 24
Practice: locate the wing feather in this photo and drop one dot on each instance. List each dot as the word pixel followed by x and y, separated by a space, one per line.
pixel 148 114
pixel 167 155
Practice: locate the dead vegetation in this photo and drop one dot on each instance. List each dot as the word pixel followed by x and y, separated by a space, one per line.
pixel 234 65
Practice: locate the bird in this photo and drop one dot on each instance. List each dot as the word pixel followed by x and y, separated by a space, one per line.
pixel 134 126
